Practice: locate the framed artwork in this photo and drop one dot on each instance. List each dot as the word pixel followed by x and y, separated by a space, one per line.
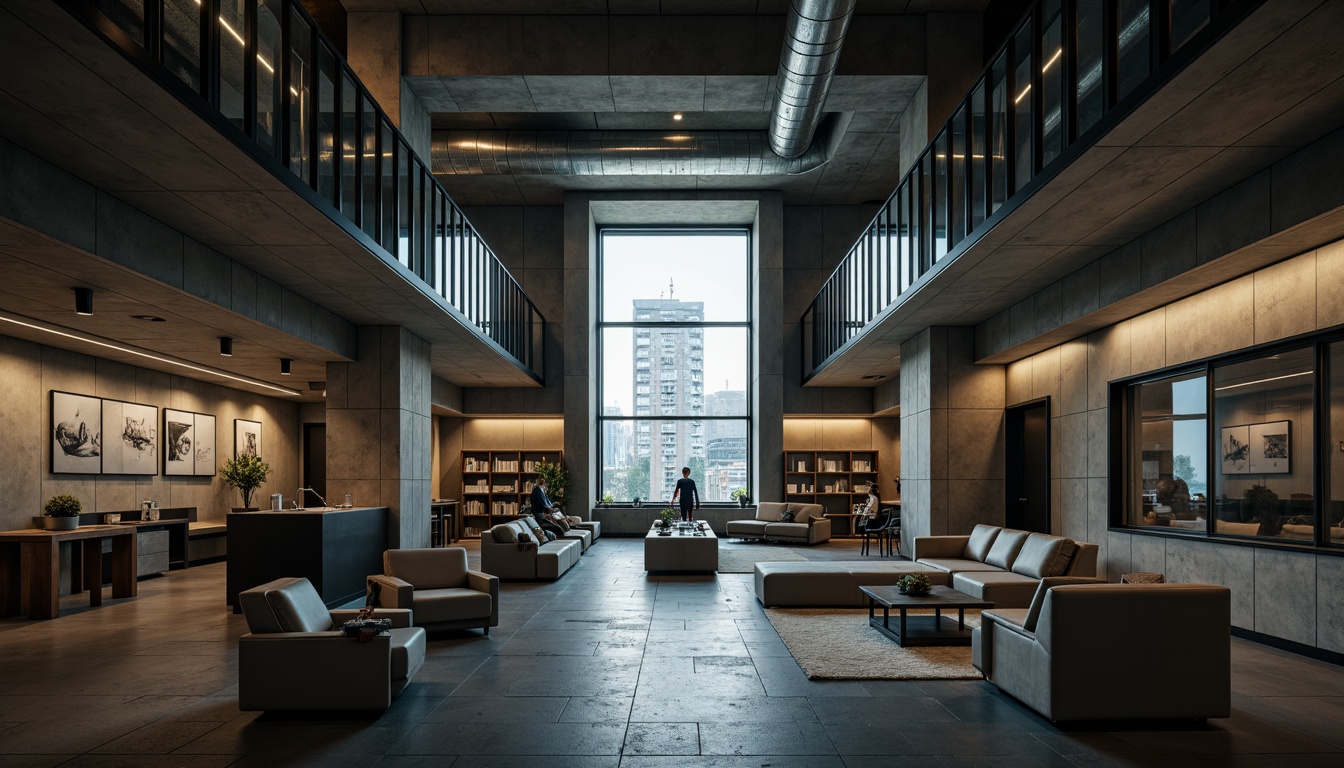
pixel 1270 448
pixel 189 443
pixel 246 437
pixel 76 434
pixel 132 447
pixel 1234 448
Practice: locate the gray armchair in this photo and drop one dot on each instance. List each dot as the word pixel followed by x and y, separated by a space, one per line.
pixel 436 585
pixel 294 658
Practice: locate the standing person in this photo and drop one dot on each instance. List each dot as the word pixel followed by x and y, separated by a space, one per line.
pixel 686 491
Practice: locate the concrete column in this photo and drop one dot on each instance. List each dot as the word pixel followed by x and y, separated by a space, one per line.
pixel 768 258
pixel 952 438
pixel 374 48
pixel 580 364
pixel 378 430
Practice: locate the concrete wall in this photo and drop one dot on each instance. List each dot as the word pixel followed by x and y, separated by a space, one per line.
pixel 852 434
pixel 1292 595
pixel 31 371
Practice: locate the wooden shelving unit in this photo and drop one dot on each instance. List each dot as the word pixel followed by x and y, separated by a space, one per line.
pixel 837 480
pixel 495 486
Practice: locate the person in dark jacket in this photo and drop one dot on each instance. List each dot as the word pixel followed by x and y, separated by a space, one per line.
pixel 539 501
pixel 687 494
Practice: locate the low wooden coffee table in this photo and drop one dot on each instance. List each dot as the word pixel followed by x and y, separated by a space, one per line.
pixel 922 630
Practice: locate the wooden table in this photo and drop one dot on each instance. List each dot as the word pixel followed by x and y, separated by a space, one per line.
pixel 30 568
pixel 922 630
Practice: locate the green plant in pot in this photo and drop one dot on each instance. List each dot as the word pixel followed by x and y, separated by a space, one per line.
pixel 742 496
pixel 606 499
pixel 61 513
pixel 247 473
pixel 557 481
pixel 916 584
pixel 666 517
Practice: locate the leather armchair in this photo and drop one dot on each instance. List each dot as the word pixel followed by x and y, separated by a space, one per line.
pixel 437 587
pixel 294 658
pixel 1113 651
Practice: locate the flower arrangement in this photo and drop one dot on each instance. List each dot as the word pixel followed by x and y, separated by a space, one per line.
pixel 246 473
pixel 915 584
pixel 666 517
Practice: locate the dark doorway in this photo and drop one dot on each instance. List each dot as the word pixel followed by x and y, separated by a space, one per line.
pixel 1028 434
pixel 314 463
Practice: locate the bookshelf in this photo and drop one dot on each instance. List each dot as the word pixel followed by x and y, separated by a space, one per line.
pixel 837 480
pixel 495 486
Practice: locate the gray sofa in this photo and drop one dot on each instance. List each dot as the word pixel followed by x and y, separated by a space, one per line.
pixel 294 658
pixel 1002 565
pixel 1113 651
pixel 505 556
pixel 808 525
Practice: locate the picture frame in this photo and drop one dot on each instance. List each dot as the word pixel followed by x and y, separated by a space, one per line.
pixel 131 438
pixel 247 438
pixel 1234 449
pixel 76 434
pixel 1271 448
pixel 188 443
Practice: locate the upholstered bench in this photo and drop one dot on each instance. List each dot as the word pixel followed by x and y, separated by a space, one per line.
pixel 831 584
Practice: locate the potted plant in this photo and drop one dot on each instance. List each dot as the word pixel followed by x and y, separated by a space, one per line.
pixel 605 500
pixel 246 473
pixel 61 513
pixel 743 499
pixel 557 481
pixel 914 584
pixel 665 519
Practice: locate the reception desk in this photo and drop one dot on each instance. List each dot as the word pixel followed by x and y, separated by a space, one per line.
pixel 335 549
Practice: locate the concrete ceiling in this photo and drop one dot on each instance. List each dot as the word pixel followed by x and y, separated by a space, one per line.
pixel 88 110
pixel 640 7
pixel 1272 85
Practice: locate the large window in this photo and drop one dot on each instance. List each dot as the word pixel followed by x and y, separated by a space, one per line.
pixel 1230 448
pixel 674 345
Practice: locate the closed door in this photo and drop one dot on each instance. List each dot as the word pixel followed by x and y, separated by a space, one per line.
pixel 314 463
pixel 1028 470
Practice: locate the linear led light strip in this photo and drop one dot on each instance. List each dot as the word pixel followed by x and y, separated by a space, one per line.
pixel 16 320
pixel 1262 381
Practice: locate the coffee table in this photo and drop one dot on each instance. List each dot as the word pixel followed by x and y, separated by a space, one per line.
pixel 683 550
pixel 922 630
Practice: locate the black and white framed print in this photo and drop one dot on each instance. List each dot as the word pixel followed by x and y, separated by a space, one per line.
pixel 132 444
pixel 246 437
pixel 1270 448
pixel 76 434
pixel 1235 449
pixel 189 443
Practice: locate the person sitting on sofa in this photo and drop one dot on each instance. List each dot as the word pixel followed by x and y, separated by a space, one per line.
pixel 867 514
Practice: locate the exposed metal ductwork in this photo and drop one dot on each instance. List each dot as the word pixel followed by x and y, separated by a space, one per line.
pixel 625 153
pixel 813 36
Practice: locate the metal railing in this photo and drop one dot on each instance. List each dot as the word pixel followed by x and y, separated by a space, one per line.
pixel 1070 70
pixel 263 73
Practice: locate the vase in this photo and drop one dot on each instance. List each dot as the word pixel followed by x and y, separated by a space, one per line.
pixel 59 523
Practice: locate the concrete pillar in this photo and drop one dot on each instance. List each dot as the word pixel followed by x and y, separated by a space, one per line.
pixel 580 364
pixel 374 51
pixel 378 430
pixel 768 258
pixel 952 436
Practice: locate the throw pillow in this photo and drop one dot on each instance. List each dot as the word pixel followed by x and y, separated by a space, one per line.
pixel 534 528
pixel 560 520
pixel 549 536
pixel 786 516
pixel 505 534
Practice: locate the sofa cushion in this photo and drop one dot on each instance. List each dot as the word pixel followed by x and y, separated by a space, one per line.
pixel 1006 546
pixel 956 564
pixel 982 538
pixel 298 608
pixel 1002 588
pixel 1062 560
pixel 786 530
pixel 1037 556
pixel 408 651
pixel 786 516
pixel 769 511
pixel 753 528
pixel 435 605
pixel 428 568
pixel 802 512
pixel 532 527
pixel 505 534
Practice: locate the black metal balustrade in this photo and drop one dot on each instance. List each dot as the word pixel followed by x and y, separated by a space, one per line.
pixel 265 75
pixel 1067 74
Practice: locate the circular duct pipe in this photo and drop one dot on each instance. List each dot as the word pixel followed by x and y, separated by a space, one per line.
pixel 813 36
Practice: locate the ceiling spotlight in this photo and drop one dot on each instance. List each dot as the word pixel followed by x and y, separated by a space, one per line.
pixel 226 346
pixel 83 301
pixel 676 115
pixel 284 366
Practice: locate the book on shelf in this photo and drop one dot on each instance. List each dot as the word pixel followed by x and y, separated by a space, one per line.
pixel 470 532
pixel 830 465
pixel 502 489
pixel 473 464
pixel 480 486
pixel 505 465
pixel 862 465
pixel 473 507
pixel 504 508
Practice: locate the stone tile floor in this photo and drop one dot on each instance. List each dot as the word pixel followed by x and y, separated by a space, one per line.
pixel 603 668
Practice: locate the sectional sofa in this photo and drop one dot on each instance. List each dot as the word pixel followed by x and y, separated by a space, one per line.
pixel 1006 574
pixel 805 526
pixel 506 555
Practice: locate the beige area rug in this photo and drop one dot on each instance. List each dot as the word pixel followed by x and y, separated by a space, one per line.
pixel 745 560
pixel 838 644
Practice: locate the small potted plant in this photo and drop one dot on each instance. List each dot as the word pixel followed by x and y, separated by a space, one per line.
pixel 914 584
pixel 246 473
pixel 742 497
pixel 606 500
pixel 61 513
pixel 665 519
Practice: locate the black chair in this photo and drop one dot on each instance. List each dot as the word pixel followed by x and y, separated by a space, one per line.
pixel 880 528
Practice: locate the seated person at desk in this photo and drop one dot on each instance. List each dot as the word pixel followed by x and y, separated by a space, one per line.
pixel 1172 492
pixel 867 514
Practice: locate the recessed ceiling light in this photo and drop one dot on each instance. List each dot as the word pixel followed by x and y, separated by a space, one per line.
pixel 676 115
pixel 284 366
pixel 226 346
pixel 83 301
pixel 149 318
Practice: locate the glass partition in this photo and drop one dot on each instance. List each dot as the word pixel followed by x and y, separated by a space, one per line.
pixel 1167 483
